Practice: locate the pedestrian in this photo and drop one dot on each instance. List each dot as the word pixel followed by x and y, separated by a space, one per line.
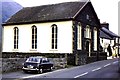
pixel 114 53
pixel 109 50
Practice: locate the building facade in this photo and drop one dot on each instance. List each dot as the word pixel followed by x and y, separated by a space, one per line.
pixel 70 28
pixel 109 41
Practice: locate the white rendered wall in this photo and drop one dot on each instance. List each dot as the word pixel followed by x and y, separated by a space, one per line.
pixel 43 38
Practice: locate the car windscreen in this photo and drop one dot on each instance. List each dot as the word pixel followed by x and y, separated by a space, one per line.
pixel 35 60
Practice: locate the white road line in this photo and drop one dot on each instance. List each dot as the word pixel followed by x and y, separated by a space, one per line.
pixel 81 75
pixel 96 69
pixel 107 65
pixel 115 62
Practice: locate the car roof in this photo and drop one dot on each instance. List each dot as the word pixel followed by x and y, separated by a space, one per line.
pixel 37 57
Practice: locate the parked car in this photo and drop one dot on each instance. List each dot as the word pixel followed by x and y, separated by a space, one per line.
pixel 38 64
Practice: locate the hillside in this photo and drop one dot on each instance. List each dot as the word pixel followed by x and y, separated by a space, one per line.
pixel 8 8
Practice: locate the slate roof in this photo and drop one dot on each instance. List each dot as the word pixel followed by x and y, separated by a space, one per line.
pixel 105 33
pixel 61 11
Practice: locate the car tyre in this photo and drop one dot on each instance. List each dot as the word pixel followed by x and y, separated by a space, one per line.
pixel 24 71
pixel 51 68
pixel 40 71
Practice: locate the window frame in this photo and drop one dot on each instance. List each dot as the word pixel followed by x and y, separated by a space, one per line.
pixel 54 37
pixel 16 37
pixel 34 37
pixel 79 36
pixel 87 32
pixel 95 38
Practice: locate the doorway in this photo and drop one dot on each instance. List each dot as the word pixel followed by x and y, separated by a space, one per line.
pixel 88 47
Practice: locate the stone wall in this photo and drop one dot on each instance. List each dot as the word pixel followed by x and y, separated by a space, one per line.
pixel 12 64
pixel 15 64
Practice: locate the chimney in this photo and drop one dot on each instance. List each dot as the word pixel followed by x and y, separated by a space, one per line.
pixel 105 25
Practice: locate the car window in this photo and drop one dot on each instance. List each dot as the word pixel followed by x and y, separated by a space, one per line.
pixel 36 60
pixel 45 60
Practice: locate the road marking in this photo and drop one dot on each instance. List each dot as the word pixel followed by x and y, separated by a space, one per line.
pixel 96 69
pixel 81 75
pixel 115 62
pixel 107 65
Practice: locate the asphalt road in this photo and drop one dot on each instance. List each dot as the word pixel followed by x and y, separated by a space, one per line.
pixel 100 69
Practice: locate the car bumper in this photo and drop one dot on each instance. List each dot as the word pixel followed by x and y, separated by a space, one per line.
pixel 30 69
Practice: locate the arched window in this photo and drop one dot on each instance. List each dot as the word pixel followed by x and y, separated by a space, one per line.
pixel 87 32
pixel 16 33
pixel 54 36
pixel 79 36
pixel 95 39
pixel 34 37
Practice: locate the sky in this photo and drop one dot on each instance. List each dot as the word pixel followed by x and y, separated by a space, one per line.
pixel 107 10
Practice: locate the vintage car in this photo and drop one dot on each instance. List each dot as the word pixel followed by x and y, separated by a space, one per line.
pixel 38 64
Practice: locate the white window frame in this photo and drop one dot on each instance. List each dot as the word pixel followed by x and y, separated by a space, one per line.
pixel 95 39
pixel 16 37
pixel 34 37
pixel 87 32
pixel 79 36
pixel 54 37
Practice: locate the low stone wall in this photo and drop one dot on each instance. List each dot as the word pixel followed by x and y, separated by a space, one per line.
pixel 11 64
pixel 14 64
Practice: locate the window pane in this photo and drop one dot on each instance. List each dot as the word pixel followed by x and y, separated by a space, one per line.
pixel 56 29
pixel 32 30
pixel 56 35
pixel 56 46
pixel 35 30
pixel 32 42
pixel 14 46
pixel 35 37
pixel 52 41
pixel 52 46
pixel 52 30
pixel 35 41
pixel 55 41
pixel 52 36
pixel 32 46
pixel 14 31
pixel 35 46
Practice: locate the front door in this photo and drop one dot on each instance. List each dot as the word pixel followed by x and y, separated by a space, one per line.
pixel 88 48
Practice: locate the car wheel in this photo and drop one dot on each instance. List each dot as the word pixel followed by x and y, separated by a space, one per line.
pixel 24 71
pixel 40 71
pixel 51 68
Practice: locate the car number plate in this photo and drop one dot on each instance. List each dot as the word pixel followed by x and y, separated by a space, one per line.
pixel 30 66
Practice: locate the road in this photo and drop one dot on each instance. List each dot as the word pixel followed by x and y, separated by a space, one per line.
pixel 100 69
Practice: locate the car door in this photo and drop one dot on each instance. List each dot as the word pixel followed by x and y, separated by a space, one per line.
pixel 44 63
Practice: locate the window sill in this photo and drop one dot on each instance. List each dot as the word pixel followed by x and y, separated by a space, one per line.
pixel 15 49
pixel 79 49
pixel 54 50
pixel 33 49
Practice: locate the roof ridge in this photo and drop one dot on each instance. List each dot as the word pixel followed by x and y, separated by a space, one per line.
pixel 52 4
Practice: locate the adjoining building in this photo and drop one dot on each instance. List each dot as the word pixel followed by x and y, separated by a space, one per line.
pixel 69 29
pixel 109 41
